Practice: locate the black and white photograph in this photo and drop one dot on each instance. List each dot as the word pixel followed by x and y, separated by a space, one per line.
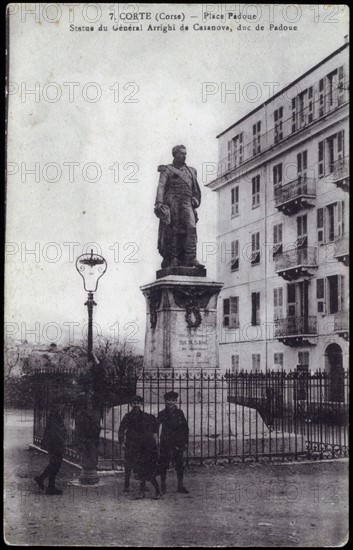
pixel 176 324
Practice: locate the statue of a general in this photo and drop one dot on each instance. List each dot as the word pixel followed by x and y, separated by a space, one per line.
pixel 178 196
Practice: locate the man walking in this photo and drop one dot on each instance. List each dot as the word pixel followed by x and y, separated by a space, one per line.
pixel 54 443
pixel 173 440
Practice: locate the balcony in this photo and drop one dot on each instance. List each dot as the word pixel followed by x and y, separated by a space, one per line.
pixel 341 326
pixel 295 195
pixel 296 331
pixel 296 263
pixel 340 173
pixel 341 253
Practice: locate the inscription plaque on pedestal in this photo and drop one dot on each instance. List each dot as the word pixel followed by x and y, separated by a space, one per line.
pixel 181 327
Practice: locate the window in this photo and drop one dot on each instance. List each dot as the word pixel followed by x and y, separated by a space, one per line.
pixel 332 88
pixel 235 201
pixel 235 364
pixel 256 130
pixel 278 360
pixel 278 116
pixel 231 312
pixel 277 174
pixel 255 248
pixel 277 240
pixel 333 294
pixel 255 308
pixel 255 362
pixel 235 151
pixel 303 360
pixel 302 108
pixel 330 222
pixel 331 153
pixel 291 301
pixel 320 295
pixel 234 265
pixel 238 149
pixel 278 303
pixel 255 191
pixel 277 179
pixel 329 294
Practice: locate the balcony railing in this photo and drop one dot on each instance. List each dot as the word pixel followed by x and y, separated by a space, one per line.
pixel 342 248
pixel 300 187
pixel 298 257
pixel 341 321
pixel 296 326
pixel 340 169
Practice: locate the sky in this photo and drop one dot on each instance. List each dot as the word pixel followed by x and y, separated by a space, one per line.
pixel 106 108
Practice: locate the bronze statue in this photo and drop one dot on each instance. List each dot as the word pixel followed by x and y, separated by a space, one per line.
pixel 178 196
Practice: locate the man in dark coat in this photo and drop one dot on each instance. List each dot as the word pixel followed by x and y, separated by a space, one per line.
pixel 173 440
pixel 136 432
pixel 54 442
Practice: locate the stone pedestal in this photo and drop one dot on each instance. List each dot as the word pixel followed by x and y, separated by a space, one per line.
pixel 181 327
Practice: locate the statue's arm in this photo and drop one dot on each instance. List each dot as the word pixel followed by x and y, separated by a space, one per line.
pixel 196 192
pixel 163 176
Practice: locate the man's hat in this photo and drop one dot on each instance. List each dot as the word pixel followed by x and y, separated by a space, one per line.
pixel 136 398
pixel 171 395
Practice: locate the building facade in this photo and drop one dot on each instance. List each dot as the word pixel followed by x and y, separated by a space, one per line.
pixel 283 193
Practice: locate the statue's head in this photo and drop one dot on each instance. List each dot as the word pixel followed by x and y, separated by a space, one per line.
pixel 179 153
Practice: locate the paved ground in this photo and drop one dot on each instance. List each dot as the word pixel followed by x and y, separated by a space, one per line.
pixel 268 505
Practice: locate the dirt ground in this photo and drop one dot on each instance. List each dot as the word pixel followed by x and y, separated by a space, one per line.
pixel 267 505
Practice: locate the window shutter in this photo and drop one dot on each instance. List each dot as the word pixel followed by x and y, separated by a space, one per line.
pixel 321 97
pixel 340 90
pixel 342 304
pixel 253 308
pixel 340 144
pixel 339 293
pixel 339 230
pixel 294 115
pixel 320 225
pixel 229 154
pixel 226 312
pixel 235 364
pixel 321 159
pixel 320 296
pixel 235 256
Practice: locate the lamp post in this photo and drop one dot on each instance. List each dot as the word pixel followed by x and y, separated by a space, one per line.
pixel 91 267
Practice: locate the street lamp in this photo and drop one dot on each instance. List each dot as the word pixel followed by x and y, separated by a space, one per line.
pixel 91 267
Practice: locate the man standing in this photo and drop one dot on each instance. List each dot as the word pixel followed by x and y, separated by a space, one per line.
pixel 54 443
pixel 173 440
pixel 178 196
pixel 131 433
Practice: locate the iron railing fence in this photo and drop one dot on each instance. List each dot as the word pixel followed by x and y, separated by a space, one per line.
pixel 245 415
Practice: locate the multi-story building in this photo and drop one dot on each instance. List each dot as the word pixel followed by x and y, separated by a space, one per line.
pixel 283 191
